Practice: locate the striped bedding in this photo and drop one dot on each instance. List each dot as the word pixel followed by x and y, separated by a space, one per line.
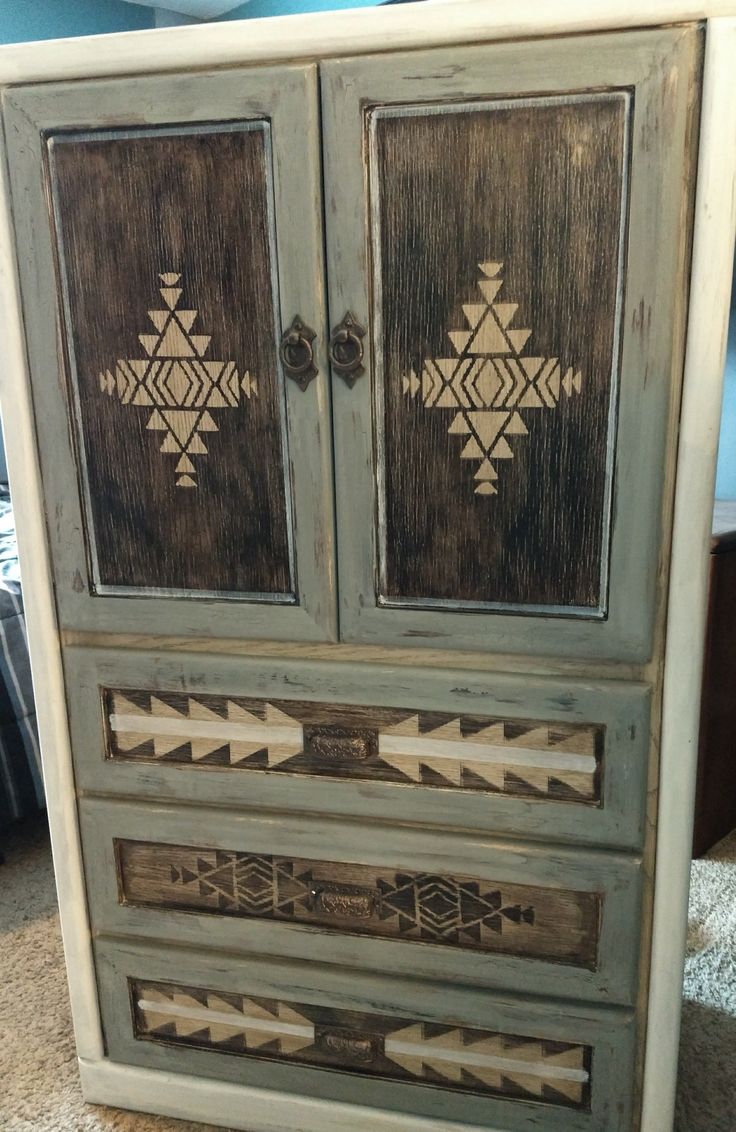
pixel 21 787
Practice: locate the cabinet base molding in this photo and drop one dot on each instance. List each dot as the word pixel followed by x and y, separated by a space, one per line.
pixel 238 1106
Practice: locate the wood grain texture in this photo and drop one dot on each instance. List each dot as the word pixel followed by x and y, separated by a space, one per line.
pixel 478 211
pixel 552 760
pixel 196 205
pixel 476 1061
pixel 434 908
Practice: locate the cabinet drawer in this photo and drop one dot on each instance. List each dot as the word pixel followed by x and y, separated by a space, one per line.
pixel 470 910
pixel 531 756
pixel 412 1047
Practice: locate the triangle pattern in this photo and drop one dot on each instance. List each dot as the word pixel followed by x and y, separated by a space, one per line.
pixel 175 384
pixel 490 380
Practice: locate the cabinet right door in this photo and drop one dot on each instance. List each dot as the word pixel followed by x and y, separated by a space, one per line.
pixel 508 232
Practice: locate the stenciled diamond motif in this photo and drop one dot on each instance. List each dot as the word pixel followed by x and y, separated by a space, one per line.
pixel 423 906
pixel 447 909
pixel 489 380
pixel 177 382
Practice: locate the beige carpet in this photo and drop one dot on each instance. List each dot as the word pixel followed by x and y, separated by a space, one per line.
pixel 39 1089
pixel 707 1086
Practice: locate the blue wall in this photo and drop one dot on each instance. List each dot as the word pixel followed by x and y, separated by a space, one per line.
pixel 726 482
pixel 22 20
pixel 257 8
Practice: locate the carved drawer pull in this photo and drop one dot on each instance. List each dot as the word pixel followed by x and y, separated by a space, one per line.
pixel 297 353
pixel 346 349
pixel 340 744
pixel 347 1046
pixel 345 901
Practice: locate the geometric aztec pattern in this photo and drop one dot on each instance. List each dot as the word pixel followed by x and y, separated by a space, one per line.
pixel 488 381
pixel 457 911
pixel 543 760
pixel 433 1054
pixel 177 383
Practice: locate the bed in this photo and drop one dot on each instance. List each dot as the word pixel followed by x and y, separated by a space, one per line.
pixel 21 785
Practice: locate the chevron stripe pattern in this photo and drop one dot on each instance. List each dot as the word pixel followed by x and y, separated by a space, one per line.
pixel 489 382
pixel 176 381
pixel 547 923
pixel 447 1057
pixel 559 762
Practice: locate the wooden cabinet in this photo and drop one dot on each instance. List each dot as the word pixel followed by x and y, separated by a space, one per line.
pixel 505 275
pixel 354 378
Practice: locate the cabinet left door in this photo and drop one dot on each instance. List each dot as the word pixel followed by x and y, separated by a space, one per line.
pixel 170 256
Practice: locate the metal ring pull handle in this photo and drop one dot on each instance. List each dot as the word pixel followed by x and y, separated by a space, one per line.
pixel 297 353
pixel 346 349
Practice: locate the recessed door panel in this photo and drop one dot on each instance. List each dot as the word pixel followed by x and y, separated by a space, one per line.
pixel 188 478
pixel 508 231
pixel 171 330
pixel 496 332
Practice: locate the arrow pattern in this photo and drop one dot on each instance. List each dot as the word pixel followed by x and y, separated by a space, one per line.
pixel 488 381
pixel 545 760
pixel 458 911
pixel 175 380
pixel 428 1053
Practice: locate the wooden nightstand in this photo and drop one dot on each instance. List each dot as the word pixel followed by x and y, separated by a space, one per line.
pixel 715 805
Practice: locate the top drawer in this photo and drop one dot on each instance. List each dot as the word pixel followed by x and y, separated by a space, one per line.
pixel 526 756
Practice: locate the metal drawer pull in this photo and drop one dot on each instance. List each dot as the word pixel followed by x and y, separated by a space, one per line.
pixel 345 901
pixel 346 349
pixel 340 744
pixel 347 1046
pixel 297 353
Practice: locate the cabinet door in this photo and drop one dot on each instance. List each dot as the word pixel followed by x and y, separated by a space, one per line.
pixel 507 230
pixel 174 223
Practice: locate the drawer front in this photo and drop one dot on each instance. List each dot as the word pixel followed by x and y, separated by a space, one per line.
pixel 533 756
pixel 517 758
pixel 517 265
pixel 458 1055
pixel 444 906
pixel 176 453
pixel 457 911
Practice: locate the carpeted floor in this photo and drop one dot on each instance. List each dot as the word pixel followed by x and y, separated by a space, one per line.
pixel 39 1087
pixel 707 1086
pixel 39 1090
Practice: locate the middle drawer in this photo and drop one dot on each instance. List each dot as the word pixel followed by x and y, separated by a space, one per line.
pixel 540 919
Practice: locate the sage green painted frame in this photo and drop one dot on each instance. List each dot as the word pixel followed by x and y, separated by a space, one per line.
pixel 623 708
pixel 286 97
pixel 610 1031
pixel 657 67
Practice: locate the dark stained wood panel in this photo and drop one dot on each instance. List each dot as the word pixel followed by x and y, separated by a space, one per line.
pixel 165 251
pixel 458 911
pixel 454 1057
pixel 497 233
pixel 554 761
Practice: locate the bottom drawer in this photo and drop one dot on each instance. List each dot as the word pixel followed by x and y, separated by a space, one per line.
pixel 411 1047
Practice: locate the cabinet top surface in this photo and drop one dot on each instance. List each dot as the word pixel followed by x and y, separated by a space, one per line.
pixel 319 35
